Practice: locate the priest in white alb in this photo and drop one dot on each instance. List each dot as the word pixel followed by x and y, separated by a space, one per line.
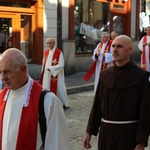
pixel 52 74
pixel 144 46
pixel 19 109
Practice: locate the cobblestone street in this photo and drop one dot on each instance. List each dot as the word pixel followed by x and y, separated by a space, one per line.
pixel 77 116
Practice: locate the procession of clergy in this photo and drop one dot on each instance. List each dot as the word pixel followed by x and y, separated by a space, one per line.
pixel 20 94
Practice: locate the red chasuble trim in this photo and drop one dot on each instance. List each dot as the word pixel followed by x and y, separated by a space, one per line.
pixel 2 107
pixel 55 60
pixel 54 80
pixel 27 134
pixel 45 58
pixel 144 54
pixel 91 71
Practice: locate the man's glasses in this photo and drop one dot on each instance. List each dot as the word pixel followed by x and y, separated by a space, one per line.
pixel 49 42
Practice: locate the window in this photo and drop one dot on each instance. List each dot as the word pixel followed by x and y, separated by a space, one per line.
pixel 15 4
pixel 117 24
pixel 91 18
pixel 144 17
pixel 5 33
pixel 26 36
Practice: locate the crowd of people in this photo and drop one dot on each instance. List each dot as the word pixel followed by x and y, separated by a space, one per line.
pixel 121 106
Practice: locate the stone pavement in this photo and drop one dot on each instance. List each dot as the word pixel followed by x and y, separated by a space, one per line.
pixel 77 116
pixel 75 83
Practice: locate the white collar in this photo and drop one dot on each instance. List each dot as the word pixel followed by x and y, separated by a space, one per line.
pixel 27 91
pixel 52 48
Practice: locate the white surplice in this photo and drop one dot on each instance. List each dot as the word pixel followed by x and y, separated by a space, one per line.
pixel 57 128
pixel 108 59
pixel 147 56
pixel 56 70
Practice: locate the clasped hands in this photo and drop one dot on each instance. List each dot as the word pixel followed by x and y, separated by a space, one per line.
pixel 103 54
pixel 144 44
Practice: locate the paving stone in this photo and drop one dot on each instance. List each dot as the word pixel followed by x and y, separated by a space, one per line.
pixel 77 116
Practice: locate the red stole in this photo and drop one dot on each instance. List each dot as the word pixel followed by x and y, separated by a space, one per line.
pixel 143 62
pixel 54 80
pixel 104 65
pixel 45 58
pixel 55 60
pixel 27 134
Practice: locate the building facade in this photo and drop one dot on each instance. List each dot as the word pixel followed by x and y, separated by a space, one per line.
pixel 76 26
pixel 92 17
pixel 21 23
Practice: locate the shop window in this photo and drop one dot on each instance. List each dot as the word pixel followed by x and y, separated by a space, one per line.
pixel 91 18
pixel 118 24
pixel 26 36
pixel 144 17
pixel 5 34
pixel 15 4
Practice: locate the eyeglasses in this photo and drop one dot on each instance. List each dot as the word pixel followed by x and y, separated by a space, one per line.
pixel 49 42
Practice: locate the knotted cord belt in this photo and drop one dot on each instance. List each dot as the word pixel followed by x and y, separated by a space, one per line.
pixel 118 122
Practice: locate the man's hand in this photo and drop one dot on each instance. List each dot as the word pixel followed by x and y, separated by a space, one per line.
pixel 144 44
pixel 97 54
pixel 86 141
pixel 103 54
pixel 148 44
pixel 140 146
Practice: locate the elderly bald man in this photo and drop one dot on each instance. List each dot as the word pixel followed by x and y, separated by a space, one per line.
pixel 19 109
pixel 113 35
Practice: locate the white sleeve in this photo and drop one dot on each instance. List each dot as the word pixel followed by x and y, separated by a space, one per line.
pixel 54 70
pixel 108 56
pixel 140 45
pixel 57 137
pixel 95 51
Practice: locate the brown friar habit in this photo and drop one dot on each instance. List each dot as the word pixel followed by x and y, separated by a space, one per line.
pixel 123 94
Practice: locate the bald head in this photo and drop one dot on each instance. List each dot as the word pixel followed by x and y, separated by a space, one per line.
pixel 114 35
pixel 14 56
pixel 13 69
pixel 121 49
pixel 148 30
pixel 124 39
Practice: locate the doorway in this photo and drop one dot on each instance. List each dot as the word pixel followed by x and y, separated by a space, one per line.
pixel 18 34
pixel 7 37
pixel 117 23
pixel 26 36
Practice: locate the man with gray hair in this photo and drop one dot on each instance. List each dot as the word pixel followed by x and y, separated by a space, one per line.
pixel 52 74
pixel 102 57
pixel 19 109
